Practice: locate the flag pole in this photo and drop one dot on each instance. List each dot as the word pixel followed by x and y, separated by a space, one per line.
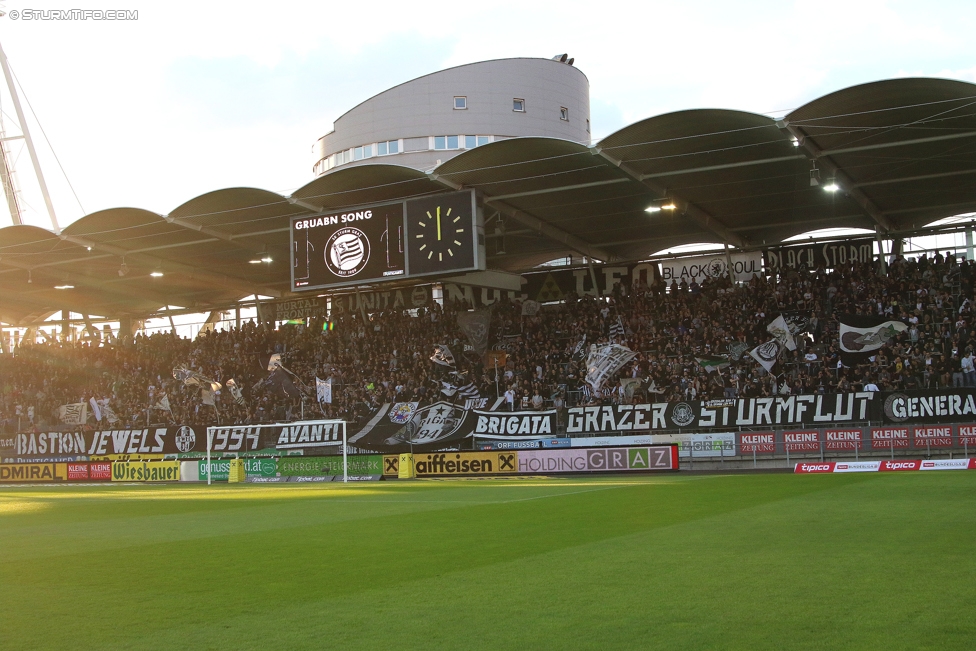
pixel 498 393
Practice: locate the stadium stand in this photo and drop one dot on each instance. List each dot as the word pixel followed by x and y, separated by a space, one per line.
pixel 387 358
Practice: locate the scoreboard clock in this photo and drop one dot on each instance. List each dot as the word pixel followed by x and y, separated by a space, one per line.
pixel 442 234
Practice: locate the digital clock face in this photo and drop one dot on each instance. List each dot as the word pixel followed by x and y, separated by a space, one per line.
pixel 441 233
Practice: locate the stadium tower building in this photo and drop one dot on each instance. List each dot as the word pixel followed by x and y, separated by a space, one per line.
pixel 426 121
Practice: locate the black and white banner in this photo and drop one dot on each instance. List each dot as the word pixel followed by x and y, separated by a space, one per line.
pixel 745 266
pixel 824 255
pixel 531 424
pixel 605 360
pixel 399 427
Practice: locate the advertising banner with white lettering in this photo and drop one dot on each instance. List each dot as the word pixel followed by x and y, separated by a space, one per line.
pixel 966 436
pixel 515 424
pixel 802 440
pixel 147 442
pixel 827 255
pixel 757 442
pixel 936 436
pixel 889 438
pixel 292 309
pixel 745 266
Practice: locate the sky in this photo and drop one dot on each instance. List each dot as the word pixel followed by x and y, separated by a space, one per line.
pixel 191 98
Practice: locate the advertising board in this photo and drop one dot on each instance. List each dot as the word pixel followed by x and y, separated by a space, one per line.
pixel 17 472
pixel 842 439
pixel 967 436
pixel 757 442
pixel 358 464
pixel 857 466
pixel 84 471
pixel 598 459
pixel 888 438
pixel 948 464
pixel 705 445
pixel 900 465
pixel 891 465
pixel 221 468
pixel 935 436
pixel 801 440
pixel 466 463
pixel 814 468
pixel 146 471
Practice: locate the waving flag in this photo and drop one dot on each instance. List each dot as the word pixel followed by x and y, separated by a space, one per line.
pixel 617 329
pixel 442 355
pixel 781 332
pixel 766 354
pixel 323 390
pixel 235 392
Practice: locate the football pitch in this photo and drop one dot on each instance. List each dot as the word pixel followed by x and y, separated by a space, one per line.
pixel 752 561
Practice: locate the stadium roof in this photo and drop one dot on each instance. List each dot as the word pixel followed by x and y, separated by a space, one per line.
pixel 903 152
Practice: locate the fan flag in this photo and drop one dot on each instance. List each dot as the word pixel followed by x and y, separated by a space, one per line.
pixel 865 334
pixel 781 331
pixel 712 362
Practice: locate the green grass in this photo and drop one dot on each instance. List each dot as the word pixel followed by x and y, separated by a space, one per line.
pixel 874 561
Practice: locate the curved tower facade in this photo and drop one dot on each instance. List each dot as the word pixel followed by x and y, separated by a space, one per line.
pixel 426 121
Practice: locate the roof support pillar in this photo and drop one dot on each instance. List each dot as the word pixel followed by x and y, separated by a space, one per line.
pixel 305 204
pixel 217 279
pixel 846 182
pixel 702 218
pixel 531 221
pixel 208 230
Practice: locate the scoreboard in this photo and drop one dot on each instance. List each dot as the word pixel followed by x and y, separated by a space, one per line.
pixel 440 234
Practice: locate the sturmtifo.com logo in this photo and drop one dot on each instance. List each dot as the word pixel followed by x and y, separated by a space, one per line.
pixel 347 252
pixel 72 14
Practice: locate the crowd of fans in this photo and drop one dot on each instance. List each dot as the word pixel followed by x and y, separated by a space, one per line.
pixel 385 357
